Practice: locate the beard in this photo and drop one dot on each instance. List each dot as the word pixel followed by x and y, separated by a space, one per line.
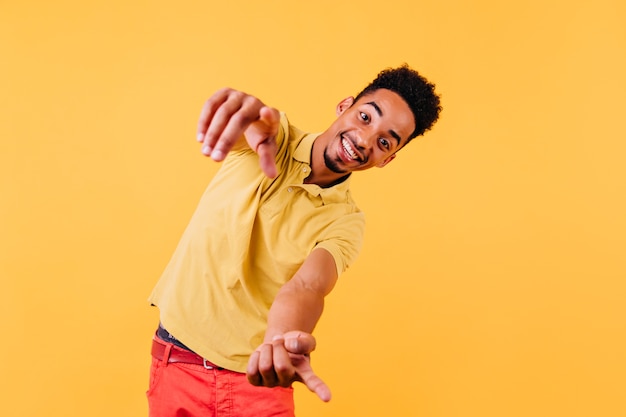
pixel 332 164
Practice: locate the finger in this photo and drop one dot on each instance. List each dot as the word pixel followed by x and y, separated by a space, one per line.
pixel 252 371
pixel 208 110
pixel 228 124
pixel 267 158
pixel 299 342
pixel 267 148
pixel 315 383
pixel 271 117
pixel 282 363
pixel 266 365
pixel 231 121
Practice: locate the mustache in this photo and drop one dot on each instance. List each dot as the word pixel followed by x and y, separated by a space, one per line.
pixel 363 154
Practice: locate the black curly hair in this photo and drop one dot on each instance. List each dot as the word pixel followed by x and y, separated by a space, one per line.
pixel 416 90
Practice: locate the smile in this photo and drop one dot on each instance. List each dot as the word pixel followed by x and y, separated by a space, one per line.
pixel 347 147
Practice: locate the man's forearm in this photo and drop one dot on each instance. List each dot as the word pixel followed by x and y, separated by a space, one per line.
pixel 300 302
pixel 294 308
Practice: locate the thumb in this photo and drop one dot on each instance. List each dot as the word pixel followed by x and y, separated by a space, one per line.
pixel 299 342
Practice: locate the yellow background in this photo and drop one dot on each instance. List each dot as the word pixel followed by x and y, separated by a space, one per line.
pixel 492 282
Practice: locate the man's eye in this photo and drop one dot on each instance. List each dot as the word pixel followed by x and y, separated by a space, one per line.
pixel 385 143
pixel 364 117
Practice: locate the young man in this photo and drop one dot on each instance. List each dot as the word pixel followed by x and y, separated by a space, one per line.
pixel 273 231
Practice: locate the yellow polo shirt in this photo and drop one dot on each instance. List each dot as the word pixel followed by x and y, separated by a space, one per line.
pixel 248 237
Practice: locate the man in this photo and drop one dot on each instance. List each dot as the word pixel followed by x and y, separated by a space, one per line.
pixel 274 230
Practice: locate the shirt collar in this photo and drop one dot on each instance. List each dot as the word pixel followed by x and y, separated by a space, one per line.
pixel 303 150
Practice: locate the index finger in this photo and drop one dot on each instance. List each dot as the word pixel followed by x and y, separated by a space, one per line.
pixel 315 384
pixel 267 158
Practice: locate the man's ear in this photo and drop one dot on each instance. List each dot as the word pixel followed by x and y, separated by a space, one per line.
pixel 386 161
pixel 344 104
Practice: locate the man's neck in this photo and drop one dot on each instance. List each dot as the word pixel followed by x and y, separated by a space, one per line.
pixel 325 182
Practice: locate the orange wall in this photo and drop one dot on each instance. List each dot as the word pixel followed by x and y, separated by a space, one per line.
pixel 492 282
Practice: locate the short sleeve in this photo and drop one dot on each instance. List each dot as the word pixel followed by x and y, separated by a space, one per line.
pixel 344 239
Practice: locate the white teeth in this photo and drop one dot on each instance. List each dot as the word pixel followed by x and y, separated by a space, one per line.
pixel 348 148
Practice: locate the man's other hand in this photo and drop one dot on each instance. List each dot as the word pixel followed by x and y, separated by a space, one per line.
pixel 231 118
pixel 284 361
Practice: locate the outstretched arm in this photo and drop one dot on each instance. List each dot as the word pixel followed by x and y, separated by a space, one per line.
pixel 283 358
pixel 231 119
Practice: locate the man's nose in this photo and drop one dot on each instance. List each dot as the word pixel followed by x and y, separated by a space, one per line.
pixel 365 140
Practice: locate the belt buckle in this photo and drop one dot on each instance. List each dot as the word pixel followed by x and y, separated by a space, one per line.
pixel 205 364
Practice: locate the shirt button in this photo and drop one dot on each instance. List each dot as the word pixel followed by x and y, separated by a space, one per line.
pixel 305 170
pixel 290 189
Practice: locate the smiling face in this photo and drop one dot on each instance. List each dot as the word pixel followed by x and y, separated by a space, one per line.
pixel 366 133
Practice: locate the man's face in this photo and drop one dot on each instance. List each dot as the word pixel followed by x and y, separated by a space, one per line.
pixel 368 132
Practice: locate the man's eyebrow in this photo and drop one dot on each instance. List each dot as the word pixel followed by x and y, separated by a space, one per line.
pixel 380 114
pixel 378 110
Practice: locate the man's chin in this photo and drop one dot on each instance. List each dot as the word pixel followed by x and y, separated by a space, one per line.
pixel 332 165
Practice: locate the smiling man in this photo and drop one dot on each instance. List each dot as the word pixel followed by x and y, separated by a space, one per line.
pixel 275 228
pixel 367 133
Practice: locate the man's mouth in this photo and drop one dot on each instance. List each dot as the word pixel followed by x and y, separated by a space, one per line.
pixel 349 149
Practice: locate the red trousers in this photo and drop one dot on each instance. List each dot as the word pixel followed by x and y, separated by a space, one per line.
pixel 191 390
